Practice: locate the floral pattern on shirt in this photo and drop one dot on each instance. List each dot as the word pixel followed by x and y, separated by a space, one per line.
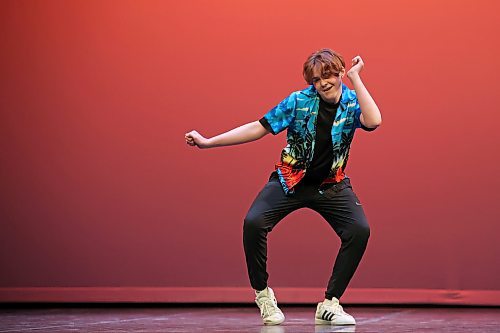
pixel 298 113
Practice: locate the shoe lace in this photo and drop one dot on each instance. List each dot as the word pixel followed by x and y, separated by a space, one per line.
pixel 336 308
pixel 268 307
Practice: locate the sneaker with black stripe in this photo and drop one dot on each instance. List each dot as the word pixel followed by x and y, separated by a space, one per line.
pixel 330 312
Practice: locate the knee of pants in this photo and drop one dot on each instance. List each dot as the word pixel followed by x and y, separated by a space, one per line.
pixel 254 224
pixel 358 232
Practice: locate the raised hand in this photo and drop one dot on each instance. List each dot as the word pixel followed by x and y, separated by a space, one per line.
pixel 357 66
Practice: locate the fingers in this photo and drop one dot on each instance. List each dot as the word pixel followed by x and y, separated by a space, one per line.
pixel 356 60
pixel 190 139
pixel 191 135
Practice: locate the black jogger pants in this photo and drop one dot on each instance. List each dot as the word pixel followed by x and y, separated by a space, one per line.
pixel 337 204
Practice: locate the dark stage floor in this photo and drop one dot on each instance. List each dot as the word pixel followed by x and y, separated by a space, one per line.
pixel 243 319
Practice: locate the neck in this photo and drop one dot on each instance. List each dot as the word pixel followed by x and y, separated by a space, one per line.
pixel 334 100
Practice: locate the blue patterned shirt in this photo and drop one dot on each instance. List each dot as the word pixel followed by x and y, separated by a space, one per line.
pixel 298 113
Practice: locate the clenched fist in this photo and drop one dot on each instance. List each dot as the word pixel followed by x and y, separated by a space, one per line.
pixel 357 66
pixel 194 138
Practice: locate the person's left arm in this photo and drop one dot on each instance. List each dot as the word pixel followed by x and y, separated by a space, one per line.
pixel 370 114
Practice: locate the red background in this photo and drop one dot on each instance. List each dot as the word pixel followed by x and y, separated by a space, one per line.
pixel 99 189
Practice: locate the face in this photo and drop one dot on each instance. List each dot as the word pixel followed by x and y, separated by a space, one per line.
pixel 328 84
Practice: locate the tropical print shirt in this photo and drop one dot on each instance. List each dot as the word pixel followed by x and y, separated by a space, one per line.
pixel 298 114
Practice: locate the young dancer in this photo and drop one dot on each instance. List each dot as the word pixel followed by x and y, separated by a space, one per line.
pixel 320 122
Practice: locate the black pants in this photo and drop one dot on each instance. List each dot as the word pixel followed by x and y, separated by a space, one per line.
pixel 337 204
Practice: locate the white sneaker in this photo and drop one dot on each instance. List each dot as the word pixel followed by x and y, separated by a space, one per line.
pixel 269 311
pixel 330 312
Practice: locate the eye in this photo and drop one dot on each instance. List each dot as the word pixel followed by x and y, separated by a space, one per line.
pixel 327 75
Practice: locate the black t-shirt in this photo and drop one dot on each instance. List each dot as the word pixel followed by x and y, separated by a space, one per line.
pixel 323 151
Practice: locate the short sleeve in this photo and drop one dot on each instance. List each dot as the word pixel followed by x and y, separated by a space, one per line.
pixel 263 121
pixel 281 116
pixel 357 119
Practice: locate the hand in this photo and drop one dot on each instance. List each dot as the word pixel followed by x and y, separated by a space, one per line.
pixel 194 138
pixel 357 66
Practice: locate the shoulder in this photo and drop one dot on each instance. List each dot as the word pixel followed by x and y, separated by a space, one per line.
pixel 349 99
pixel 308 92
pixel 303 96
pixel 348 95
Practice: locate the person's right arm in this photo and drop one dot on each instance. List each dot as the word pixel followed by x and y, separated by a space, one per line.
pixel 245 133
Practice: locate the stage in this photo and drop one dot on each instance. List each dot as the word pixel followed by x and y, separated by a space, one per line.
pixel 242 319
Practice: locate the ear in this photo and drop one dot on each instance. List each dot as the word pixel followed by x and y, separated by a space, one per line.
pixel 342 73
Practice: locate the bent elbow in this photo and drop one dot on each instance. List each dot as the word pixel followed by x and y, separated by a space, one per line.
pixel 376 122
pixel 373 124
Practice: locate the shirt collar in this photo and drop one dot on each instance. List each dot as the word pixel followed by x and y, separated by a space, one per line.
pixel 347 94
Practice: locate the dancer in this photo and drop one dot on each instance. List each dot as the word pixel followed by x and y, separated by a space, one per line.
pixel 320 122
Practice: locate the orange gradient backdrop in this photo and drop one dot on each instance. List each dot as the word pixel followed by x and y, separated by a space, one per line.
pixel 99 189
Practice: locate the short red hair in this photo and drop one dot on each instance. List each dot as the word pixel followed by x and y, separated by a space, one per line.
pixel 329 60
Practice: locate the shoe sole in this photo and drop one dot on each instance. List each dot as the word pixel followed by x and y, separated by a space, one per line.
pixel 326 322
pixel 273 323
